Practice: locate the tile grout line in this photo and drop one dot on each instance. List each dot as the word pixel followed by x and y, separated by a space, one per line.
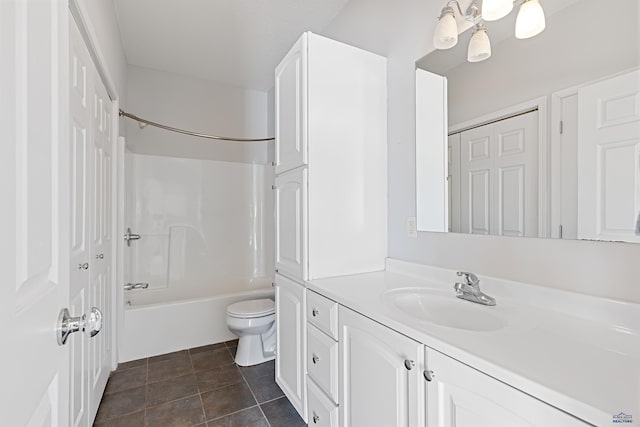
pixel 146 386
pixel 193 372
pixel 255 398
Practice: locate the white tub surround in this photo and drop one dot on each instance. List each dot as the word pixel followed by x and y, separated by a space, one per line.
pixel 578 353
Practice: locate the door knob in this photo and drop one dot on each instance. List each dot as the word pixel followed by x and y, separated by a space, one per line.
pixel 428 375
pixel 409 364
pixel 91 324
pixel 129 236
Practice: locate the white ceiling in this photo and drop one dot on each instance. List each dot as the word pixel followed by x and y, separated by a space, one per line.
pixel 233 42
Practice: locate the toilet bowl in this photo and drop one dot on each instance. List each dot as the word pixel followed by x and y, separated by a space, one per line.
pixel 254 322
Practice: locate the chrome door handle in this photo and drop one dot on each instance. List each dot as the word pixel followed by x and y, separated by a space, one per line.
pixel 91 324
pixel 428 375
pixel 129 236
pixel 100 256
pixel 409 364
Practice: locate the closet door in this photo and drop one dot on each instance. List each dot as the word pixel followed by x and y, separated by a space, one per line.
pixel 291 108
pixel 291 224
pixel 91 198
pixel 82 157
pixel 101 276
pixel 499 183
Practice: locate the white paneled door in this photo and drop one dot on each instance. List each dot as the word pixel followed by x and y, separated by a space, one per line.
pixel 91 226
pixel 499 177
pixel 609 159
pixel 55 163
pixel 34 186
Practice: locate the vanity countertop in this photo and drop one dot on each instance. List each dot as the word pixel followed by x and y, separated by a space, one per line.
pixel 578 353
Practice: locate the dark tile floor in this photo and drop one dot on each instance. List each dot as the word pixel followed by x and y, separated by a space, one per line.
pixel 197 387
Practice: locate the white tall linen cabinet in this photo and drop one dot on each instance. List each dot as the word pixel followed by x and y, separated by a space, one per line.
pixel 331 182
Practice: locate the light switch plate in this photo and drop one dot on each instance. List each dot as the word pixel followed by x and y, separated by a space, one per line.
pixel 412 229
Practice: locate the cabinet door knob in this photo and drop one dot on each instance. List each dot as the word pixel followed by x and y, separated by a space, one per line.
pixel 428 375
pixel 315 359
pixel 84 266
pixel 409 364
pixel 100 256
pixel 315 418
pixel 315 312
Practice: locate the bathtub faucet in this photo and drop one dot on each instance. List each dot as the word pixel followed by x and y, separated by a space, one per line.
pixel 130 286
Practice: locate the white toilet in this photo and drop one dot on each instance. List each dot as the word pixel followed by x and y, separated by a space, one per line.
pixel 254 322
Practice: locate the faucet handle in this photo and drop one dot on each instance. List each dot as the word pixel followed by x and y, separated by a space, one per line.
pixel 471 278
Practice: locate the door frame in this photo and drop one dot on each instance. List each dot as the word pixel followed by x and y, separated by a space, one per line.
pixel 543 149
pixel 79 12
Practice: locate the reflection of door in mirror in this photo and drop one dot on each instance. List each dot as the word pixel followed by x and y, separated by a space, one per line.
pixel 609 158
pixel 498 177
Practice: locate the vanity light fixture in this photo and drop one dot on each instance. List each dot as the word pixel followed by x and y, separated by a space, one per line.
pixel 492 10
pixel 446 34
pixel 529 22
pixel 479 45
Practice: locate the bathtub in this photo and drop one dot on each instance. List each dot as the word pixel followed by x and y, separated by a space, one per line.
pixel 159 328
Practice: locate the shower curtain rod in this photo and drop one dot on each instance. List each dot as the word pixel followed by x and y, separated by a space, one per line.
pixel 187 132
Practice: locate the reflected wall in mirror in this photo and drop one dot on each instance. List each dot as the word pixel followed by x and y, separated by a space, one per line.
pixel 543 138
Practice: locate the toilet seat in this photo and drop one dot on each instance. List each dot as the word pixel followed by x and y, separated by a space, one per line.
pixel 252 309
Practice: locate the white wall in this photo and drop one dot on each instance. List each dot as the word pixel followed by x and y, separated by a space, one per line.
pixel 402 30
pixel 203 227
pixel 196 105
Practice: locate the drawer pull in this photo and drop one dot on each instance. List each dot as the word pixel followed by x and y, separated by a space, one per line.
pixel 409 364
pixel 315 359
pixel 428 375
pixel 315 418
pixel 315 312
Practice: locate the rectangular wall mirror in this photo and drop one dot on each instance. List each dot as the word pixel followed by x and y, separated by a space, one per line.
pixel 542 139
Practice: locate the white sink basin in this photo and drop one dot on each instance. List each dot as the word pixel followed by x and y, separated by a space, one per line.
pixel 445 310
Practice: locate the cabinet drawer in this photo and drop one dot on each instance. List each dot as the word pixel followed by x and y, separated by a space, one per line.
pixel 322 361
pixel 322 411
pixel 323 313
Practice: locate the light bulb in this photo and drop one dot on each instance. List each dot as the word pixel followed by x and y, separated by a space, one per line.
pixel 493 10
pixel 446 33
pixel 530 21
pixel 479 45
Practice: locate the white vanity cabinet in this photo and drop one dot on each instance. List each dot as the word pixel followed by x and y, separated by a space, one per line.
pixel 331 114
pixel 322 360
pixel 291 111
pixel 291 341
pixel 330 198
pixel 460 396
pixel 381 382
pixel 291 216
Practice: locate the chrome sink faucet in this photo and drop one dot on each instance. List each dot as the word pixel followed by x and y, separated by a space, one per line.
pixel 470 290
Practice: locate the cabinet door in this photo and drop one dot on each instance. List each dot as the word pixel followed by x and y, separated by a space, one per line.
pixel 291 108
pixel 380 375
pixel 291 342
pixel 291 224
pixel 460 396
